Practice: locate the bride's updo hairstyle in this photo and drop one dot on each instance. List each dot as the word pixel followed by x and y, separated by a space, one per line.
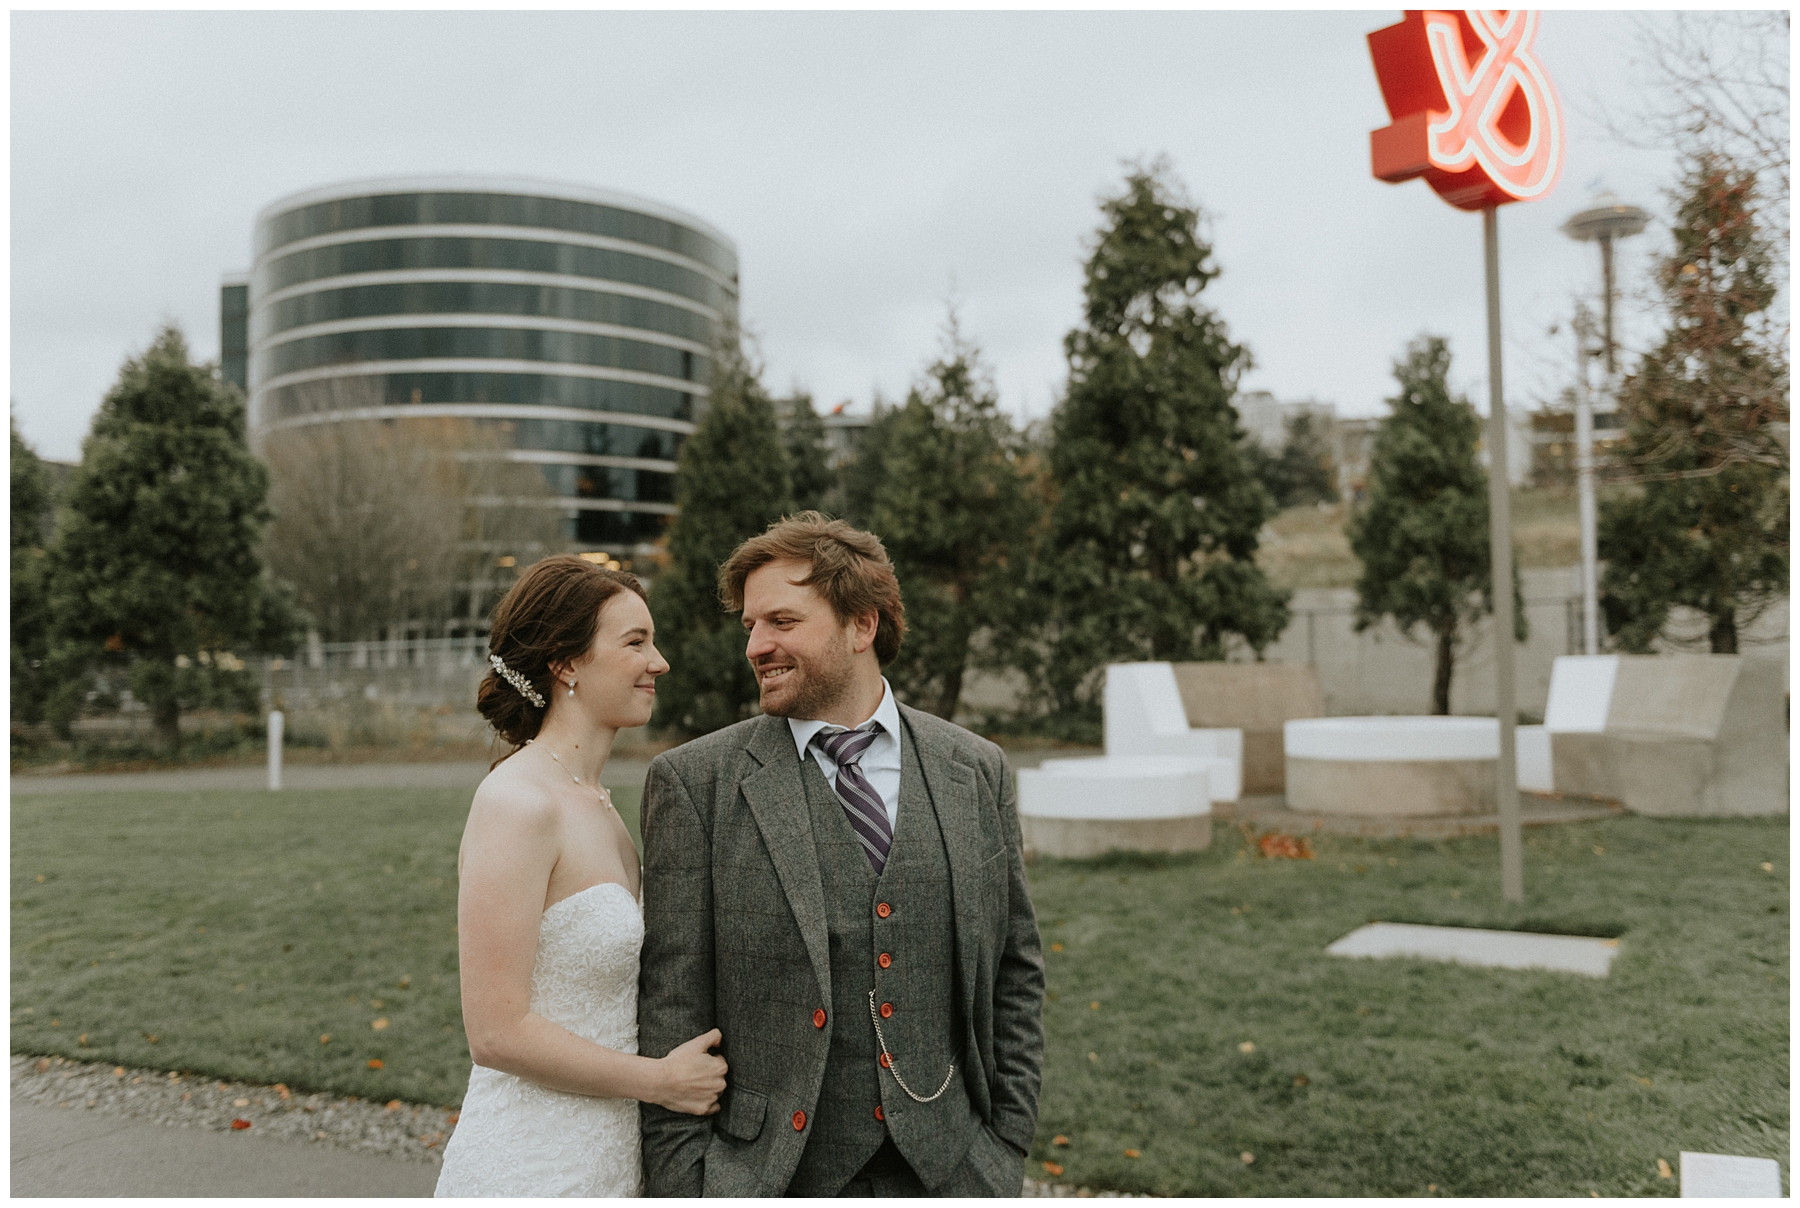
pixel 550 615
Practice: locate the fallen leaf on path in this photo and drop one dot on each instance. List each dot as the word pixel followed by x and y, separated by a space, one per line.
pixel 240 1124
pixel 1059 1139
pixel 393 1105
pixel 1132 1153
pixel 240 1103
pixel 375 1063
pixel 380 1024
pixel 1246 1157
pixel 118 1071
pixel 282 1090
pixel 325 1039
pixel 1056 947
pixel 1662 1169
pixel 453 1117
pixel 1053 1169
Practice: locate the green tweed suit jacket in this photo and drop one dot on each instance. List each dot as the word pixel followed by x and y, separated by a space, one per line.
pixel 735 930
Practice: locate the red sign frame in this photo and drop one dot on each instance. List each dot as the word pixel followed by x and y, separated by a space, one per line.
pixel 1473 111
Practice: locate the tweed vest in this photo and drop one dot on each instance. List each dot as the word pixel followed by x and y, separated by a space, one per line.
pixel 917 933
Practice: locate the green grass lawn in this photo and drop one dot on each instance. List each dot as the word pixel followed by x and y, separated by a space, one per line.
pixel 237 929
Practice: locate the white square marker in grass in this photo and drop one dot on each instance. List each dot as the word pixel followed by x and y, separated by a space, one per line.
pixel 1722 1176
pixel 1589 955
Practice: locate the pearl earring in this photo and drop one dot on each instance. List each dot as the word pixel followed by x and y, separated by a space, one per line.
pixel 571 687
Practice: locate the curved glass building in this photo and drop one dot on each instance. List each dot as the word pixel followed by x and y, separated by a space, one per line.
pixel 572 326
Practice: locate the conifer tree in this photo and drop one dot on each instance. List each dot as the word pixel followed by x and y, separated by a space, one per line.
pixel 31 498
pixel 158 559
pixel 812 481
pixel 1422 533
pixel 732 481
pixel 952 507
pixel 1707 524
pixel 1153 533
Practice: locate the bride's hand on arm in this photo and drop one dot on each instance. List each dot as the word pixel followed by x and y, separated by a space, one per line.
pixel 694 1077
pixel 509 851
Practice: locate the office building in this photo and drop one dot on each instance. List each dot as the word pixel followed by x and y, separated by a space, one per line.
pixel 571 327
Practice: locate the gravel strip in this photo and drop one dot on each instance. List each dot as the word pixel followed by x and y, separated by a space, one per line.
pixel 394 1129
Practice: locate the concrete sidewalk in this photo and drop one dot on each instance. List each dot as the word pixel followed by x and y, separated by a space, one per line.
pixel 620 773
pixel 74 1151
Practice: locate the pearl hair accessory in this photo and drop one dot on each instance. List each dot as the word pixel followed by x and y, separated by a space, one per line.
pixel 516 680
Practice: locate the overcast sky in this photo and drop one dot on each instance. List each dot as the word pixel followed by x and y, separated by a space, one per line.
pixel 870 167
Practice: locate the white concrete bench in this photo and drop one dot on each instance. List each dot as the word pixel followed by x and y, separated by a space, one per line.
pixel 1153 789
pixel 1392 765
pixel 1144 716
pixel 1684 735
pixel 1581 688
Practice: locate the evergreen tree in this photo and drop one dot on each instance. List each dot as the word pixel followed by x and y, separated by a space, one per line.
pixel 1707 527
pixel 1422 534
pixel 158 562
pixel 732 481
pixel 1304 464
pixel 31 501
pixel 951 506
pixel 1153 534
pixel 811 479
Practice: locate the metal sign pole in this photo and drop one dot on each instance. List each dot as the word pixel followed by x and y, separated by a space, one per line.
pixel 1506 770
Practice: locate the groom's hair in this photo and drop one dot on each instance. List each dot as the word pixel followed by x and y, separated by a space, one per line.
pixel 849 568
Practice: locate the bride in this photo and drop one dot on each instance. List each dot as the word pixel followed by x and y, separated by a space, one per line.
pixel 548 912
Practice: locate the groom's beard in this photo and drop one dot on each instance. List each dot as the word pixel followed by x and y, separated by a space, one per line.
pixel 812 687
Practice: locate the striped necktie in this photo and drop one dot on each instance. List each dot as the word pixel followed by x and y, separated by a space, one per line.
pixel 862 804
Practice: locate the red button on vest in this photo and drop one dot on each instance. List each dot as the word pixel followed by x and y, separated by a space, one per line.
pixel 886 1061
pixel 879 1114
pixel 799 1121
pixel 884 960
pixel 887 1010
pixel 819 1018
pixel 883 909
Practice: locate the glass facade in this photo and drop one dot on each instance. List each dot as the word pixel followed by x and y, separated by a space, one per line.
pixel 582 301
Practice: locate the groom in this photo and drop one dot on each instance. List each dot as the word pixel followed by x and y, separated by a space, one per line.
pixel 837 886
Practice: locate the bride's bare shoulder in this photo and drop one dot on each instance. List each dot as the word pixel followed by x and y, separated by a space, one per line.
pixel 517 794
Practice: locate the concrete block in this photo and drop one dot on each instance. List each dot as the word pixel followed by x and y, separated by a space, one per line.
pixel 1728 1177
pixel 1082 838
pixel 1075 808
pixel 1591 956
pixel 1391 788
pixel 1258 698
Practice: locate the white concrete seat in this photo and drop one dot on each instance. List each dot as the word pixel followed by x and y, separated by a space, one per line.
pixel 1144 717
pixel 1154 788
pixel 1581 688
pixel 1391 765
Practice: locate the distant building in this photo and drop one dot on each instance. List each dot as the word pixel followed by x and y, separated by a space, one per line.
pixel 843 433
pixel 575 325
pixel 1266 419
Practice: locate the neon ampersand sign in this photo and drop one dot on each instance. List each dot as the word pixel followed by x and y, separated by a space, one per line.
pixel 1473 110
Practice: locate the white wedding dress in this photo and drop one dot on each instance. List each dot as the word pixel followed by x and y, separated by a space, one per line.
pixel 516 1138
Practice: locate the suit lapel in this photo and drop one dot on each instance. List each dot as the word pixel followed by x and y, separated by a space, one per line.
pixel 953 798
pixel 778 803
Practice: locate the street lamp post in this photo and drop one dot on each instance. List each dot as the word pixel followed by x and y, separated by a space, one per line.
pixel 1607 221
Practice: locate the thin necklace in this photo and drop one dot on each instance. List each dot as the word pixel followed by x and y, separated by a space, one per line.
pixel 605 797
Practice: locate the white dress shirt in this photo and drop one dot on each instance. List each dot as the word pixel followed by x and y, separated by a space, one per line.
pixel 880 762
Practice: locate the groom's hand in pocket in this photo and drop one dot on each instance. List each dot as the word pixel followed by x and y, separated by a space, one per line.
pixel 692 1078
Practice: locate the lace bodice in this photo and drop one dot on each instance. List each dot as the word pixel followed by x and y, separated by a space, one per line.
pixel 516 1138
